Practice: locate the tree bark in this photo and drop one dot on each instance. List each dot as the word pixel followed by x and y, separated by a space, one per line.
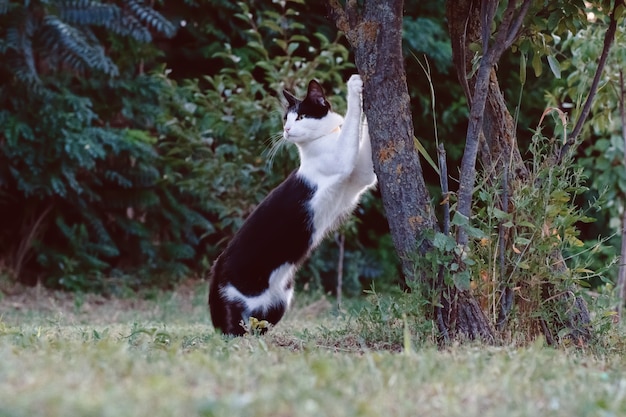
pixel 375 32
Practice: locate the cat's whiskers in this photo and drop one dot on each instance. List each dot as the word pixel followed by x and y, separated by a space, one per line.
pixel 275 143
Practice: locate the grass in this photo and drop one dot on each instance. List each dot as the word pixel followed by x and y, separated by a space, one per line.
pixel 87 356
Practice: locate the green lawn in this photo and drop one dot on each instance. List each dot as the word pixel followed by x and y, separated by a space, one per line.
pixel 94 357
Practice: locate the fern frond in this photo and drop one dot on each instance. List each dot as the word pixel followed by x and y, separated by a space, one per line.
pixel 174 270
pixel 145 175
pixel 73 48
pixel 22 58
pixel 153 19
pixel 91 13
pixel 134 228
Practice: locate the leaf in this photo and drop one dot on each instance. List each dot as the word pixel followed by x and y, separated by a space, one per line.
pixel 522 68
pixel 475 233
pixel 459 219
pixel 619 11
pixel 536 63
pixel 292 48
pixel 560 196
pixel 443 242
pixel 422 150
pixel 500 214
pixel 554 66
pixel 462 280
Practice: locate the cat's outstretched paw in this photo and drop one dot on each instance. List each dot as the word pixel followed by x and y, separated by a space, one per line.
pixel 355 84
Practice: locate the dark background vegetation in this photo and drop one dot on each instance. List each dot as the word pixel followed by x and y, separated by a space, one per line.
pixel 136 138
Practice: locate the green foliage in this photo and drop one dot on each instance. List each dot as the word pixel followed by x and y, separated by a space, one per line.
pixel 428 36
pixel 100 176
pixel 533 249
pixel 64 35
pixel 544 224
pixel 392 320
pixel 113 176
pixel 601 153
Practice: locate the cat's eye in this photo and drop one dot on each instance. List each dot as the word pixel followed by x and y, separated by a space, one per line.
pixel 300 117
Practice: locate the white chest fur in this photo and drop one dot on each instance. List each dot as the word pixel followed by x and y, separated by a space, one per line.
pixel 336 157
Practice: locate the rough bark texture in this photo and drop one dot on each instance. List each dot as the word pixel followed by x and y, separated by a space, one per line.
pixel 375 32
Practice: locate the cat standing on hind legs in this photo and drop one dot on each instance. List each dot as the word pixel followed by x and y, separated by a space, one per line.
pixel 254 275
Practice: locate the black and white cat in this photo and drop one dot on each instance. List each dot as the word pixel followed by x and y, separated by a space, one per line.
pixel 254 275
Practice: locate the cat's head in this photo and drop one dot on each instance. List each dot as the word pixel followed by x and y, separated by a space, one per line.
pixel 310 118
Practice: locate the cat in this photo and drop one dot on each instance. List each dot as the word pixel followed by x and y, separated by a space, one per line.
pixel 254 275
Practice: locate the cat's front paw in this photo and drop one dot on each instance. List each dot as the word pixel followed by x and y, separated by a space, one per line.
pixel 355 85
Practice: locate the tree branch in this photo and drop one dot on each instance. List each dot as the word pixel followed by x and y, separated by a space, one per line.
pixel 621 274
pixel 487 12
pixel 457 27
pixel 514 30
pixel 608 41
pixel 477 111
pixel 339 16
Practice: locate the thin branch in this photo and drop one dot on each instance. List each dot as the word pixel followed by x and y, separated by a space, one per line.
pixel 506 297
pixel 468 163
pixel 500 44
pixel 445 192
pixel 26 244
pixel 341 242
pixel 352 12
pixel 621 275
pixel 487 12
pixel 608 41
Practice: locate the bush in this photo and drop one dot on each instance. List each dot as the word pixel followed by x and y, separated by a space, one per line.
pixel 113 175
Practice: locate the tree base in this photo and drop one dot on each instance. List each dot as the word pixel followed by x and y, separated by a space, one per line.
pixel 462 318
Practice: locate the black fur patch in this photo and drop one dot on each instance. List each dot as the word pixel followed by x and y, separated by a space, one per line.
pixel 314 105
pixel 278 231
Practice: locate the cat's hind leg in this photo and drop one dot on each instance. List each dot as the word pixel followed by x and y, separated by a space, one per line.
pixel 227 315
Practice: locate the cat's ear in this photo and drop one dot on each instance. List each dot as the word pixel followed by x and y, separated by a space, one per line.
pixel 315 93
pixel 291 99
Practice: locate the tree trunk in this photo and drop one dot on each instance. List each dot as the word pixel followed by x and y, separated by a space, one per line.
pixel 375 33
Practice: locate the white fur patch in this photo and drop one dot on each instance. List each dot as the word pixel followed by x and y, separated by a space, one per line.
pixel 280 291
pixel 335 157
